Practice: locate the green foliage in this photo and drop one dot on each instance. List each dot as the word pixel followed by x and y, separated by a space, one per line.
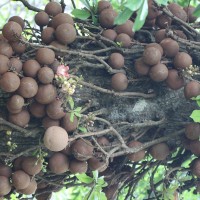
pixel 197 11
pixel 81 13
pixel 196 113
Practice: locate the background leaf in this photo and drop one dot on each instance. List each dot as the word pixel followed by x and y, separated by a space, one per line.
pixel 84 178
pixel 81 14
pixel 195 115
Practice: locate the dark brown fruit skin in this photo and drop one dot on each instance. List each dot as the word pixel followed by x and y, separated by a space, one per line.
pixel 4 64
pixel 65 33
pixel 192 131
pixel 54 110
pixel 107 17
pixel 18 20
pixel 116 60
pixel 103 141
pixel 16 64
pixel 9 82
pixel 180 34
pixel 20 119
pixel 189 11
pixel 156 45
pixel 31 165
pixel 111 191
pixel 182 60
pixel 53 8
pixel 59 46
pixel 103 5
pixel 174 81
pixel 3 38
pixel 160 35
pixel 141 68
pixel 177 11
pixel 31 189
pixel 109 34
pixel 125 28
pixel 163 21
pixel 12 31
pixel 151 56
pixel 119 82
pixel 82 149
pixel 48 122
pixel 124 40
pixel 5 186
pixel 77 166
pixel 195 147
pixel 152 11
pixel 58 163
pixel 45 56
pixel 18 47
pixel 96 164
pixel 192 89
pixel 62 18
pixel 42 18
pixel 20 179
pixel 160 151
pixel 54 66
pixel 31 68
pixel 5 171
pixel 67 124
pixel 45 75
pixel 47 35
pixel 46 94
pixel 55 138
pixel 138 155
pixel 195 167
pixel 45 196
pixel 17 165
pixel 150 23
pixel 170 47
pixel 15 102
pixel 158 72
pixel 28 87
pixel 5 49
pixel 37 109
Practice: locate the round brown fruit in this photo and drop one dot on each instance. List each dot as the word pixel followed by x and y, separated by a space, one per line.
pixel 97 164
pixel 12 31
pixel 195 167
pixel 20 119
pixel 141 68
pixel 65 33
pixel 152 10
pixel 103 5
pixel 20 179
pixel 44 196
pixel 5 186
pixel 138 155
pixel 31 68
pixel 170 47
pixel 116 60
pixel 177 11
pixel 77 166
pixel 163 21
pixel 62 18
pixel 5 49
pixel 182 60
pixel 31 189
pixel 28 87
pixel 4 64
pixel 156 45
pixel 59 46
pixel 42 18
pixel 160 151
pixel 37 109
pixel 18 20
pixel 45 75
pixel 127 28
pixel 174 81
pixel 160 35
pixel 47 34
pixel 31 165
pixel 82 149
pixel 124 40
pixel 16 102
pixel 192 131
pixel 107 17
pixel 69 125
pixel 111 191
pixel 9 82
pixel 45 56
pixel 195 147
pixel 158 72
pixel 119 82
pixel 5 170
pixel 180 34
pixel 151 56
pixel 53 8
pixel 17 164
pixel 109 34
pixel 103 141
pixel 58 163
pixel 15 64
pixel 18 47
pixel 189 11
pixel 192 89
pixel 55 138
pixel 54 66
pixel 48 122
pixel 150 23
pixel 46 94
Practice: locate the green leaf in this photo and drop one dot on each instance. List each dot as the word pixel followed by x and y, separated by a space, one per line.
pixel 196 98
pixel 95 175
pixel 84 178
pixel 71 102
pixel 102 196
pixel 141 16
pixel 197 11
pixel 195 115
pixel 77 114
pixel 81 14
pixel 82 129
pixel 101 182
pixel 78 109
pixel 123 16
pixel 72 116
pixel 162 2
pixel 133 5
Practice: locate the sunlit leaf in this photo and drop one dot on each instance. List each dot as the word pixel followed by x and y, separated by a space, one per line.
pixel 84 178
pixel 81 14
pixel 123 16
pixel 195 115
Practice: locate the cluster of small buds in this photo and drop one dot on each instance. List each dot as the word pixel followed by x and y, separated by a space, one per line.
pixel 192 70
pixel 9 143
pixel 90 123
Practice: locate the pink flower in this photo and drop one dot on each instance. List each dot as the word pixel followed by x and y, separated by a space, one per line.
pixel 62 70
